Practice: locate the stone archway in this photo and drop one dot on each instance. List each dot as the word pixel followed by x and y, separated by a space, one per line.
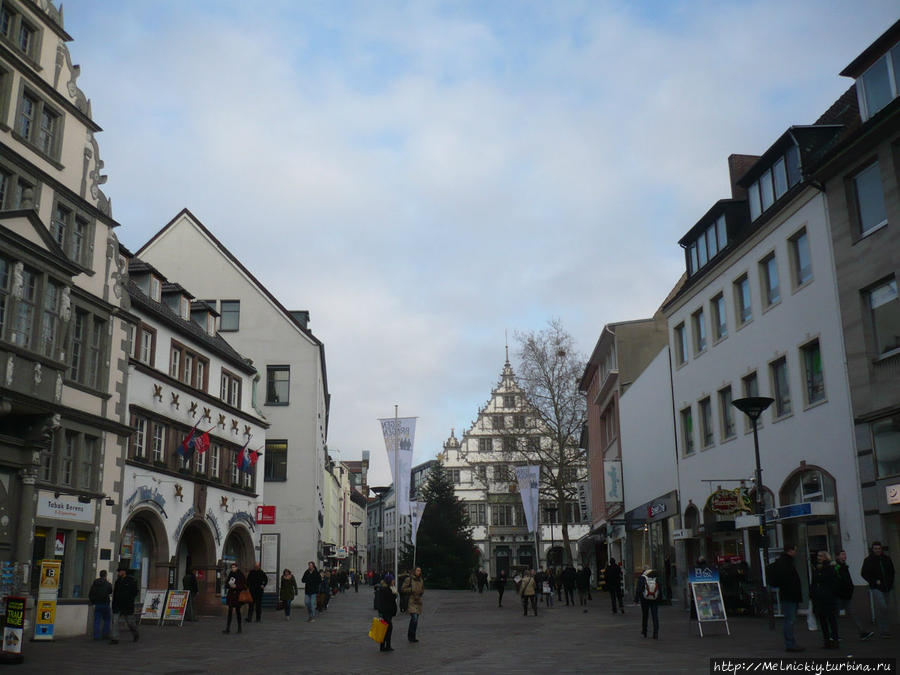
pixel 239 548
pixel 144 547
pixel 197 550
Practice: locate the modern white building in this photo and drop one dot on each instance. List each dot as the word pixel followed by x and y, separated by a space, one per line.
pixel 482 468
pixel 758 316
pixel 185 380
pixel 292 395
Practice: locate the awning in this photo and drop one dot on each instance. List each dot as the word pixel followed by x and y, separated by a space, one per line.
pixel 789 512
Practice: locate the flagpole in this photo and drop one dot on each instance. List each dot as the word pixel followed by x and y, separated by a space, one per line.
pixel 396 493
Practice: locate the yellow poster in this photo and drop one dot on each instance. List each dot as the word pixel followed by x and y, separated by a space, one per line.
pixel 50 575
pixel 46 612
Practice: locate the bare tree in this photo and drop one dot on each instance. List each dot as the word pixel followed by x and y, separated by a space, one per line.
pixel 549 371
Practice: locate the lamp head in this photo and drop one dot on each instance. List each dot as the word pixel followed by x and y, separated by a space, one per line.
pixel 753 406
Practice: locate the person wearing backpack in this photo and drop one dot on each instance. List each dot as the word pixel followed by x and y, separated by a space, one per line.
pixel 98 596
pixel 648 592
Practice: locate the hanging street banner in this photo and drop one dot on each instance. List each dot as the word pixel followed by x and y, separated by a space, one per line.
pixel 528 478
pixel 416 509
pixel 400 433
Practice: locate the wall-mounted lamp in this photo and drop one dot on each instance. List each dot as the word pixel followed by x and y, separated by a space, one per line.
pixel 110 501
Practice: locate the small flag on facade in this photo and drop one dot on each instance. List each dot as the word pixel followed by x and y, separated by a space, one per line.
pixel 187 446
pixel 201 443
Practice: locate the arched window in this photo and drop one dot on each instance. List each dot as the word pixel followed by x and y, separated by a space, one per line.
pixel 810 485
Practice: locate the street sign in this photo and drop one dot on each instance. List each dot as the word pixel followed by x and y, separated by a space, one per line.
pixel 265 515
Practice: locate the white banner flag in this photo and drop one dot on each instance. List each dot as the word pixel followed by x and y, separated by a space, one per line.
pixel 528 478
pixel 400 433
pixel 416 509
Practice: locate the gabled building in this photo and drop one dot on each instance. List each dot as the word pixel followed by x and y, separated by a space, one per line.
pixel 862 188
pixel 482 468
pixel 63 314
pixel 197 512
pixel 291 392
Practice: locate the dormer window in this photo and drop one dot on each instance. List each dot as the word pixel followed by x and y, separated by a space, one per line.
pixel 880 84
pixel 185 307
pixel 707 245
pixel 774 182
pixel 155 289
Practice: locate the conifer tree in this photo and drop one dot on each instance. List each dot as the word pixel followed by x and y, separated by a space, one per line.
pixel 446 552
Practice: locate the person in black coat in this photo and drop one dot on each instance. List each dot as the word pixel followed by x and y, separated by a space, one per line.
pixel 878 571
pixel 256 582
pixel 612 578
pixel 782 574
pixel 235 583
pixel 568 581
pixel 500 585
pixel 189 583
pixel 124 594
pixel 386 603
pixel 312 580
pixel 823 593
pixel 845 590
pixel 583 585
pixel 98 596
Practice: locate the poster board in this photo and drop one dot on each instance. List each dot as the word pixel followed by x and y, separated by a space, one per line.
pixel 45 607
pixel 13 629
pixel 707 595
pixel 176 606
pixel 154 603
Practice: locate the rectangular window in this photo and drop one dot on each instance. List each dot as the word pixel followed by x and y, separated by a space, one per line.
pixel 768 273
pixel 455 476
pixel 886 442
pixel 884 313
pixel 502 515
pixel 155 289
pixel 139 439
pixel 766 191
pixel 278 385
pixel 694 261
pixel 721 232
pixel 869 197
pixel 498 422
pixel 699 322
pixel 175 361
pixel 275 460
pixel 235 471
pixel 482 473
pixel 877 87
pixel 46 140
pixel 509 445
pixel 67 461
pixel 89 455
pixel 779 173
pixel 726 412
pixel 812 372
pixel 230 390
pixel 753 198
pixel 230 317
pixel 680 344
pixel 79 233
pixel 200 463
pixel 23 324
pixel 509 401
pixel 742 300
pixel 485 445
pixel 720 324
pixel 95 352
pixel 792 159
pixel 50 320
pixel 519 421
pixel 215 453
pixel 780 387
pixel 687 431
pixel 706 422
pixel 701 249
pixel 501 472
pixel 60 224
pixel 158 442
pixel 146 347
pixel 711 241
pixel 187 373
pixel 27 113
pixel 802 264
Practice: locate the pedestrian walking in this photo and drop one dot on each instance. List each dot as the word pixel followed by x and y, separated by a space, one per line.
pixel 287 592
pixel 612 578
pixel 404 596
pixel 189 584
pixel 500 585
pixel 845 594
pixel 583 585
pixel 568 581
pixel 256 582
pixel 823 593
pixel 98 596
pixel 528 590
pixel 415 589
pixel 386 603
pixel 311 581
pixel 235 583
pixel 473 581
pixel 124 594
pixel 647 592
pixel 544 581
pixel 878 571
pixel 482 580
pixel 782 574
pixel 557 583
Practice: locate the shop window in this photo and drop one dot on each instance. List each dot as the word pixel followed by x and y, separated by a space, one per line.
pixel 780 387
pixel 278 385
pixel 886 441
pixel 812 372
pixel 811 485
pixel 687 431
pixel 726 411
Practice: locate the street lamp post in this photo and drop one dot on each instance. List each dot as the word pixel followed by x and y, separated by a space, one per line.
pixel 355 524
pixel 753 407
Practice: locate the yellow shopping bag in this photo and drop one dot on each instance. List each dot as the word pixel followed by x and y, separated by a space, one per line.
pixel 378 630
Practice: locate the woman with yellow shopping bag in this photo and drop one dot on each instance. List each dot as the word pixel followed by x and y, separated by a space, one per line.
pixel 386 604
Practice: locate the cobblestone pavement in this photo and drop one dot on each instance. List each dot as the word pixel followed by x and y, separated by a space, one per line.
pixel 459 632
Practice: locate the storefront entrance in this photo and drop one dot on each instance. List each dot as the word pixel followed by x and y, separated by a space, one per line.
pixel 144 549
pixel 196 551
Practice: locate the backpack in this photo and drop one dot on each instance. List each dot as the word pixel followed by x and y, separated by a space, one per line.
pixel 651 588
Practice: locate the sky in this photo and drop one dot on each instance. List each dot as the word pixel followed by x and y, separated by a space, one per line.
pixel 430 179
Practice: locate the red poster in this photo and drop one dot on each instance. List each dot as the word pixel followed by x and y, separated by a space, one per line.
pixel 265 515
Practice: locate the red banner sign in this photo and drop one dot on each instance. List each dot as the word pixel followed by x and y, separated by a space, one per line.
pixel 265 515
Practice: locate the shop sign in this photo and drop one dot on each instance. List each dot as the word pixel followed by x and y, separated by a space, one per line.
pixel 13 626
pixel 154 602
pixel 893 494
pixel 59 546
pixel 584 499
pixel 50 576
pixel 612 480
pixel 656 509
pixel 728 502
pixel 265 515
pixel 45 619
pixel 64 507
pixel 341 552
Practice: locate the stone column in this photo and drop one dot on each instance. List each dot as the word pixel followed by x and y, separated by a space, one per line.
pixel 25 526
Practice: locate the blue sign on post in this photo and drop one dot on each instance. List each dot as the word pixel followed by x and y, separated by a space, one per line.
pixel 697 574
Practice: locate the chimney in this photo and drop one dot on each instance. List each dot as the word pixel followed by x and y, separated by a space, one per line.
pixel 738 165
pixel 301 316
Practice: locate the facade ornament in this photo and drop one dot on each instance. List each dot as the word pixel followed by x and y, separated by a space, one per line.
pixel 120 274
pixel 96 178
pixel 59 385
pixel 10 367
pixel 246 430
pixel 206 415
pixel 193 408
pixel 157 392
pixel 37 374
pixel 65 304
pixel 234 425
pixel 222 420
pixel 179 492
pixel 174 401
pixel 18 284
